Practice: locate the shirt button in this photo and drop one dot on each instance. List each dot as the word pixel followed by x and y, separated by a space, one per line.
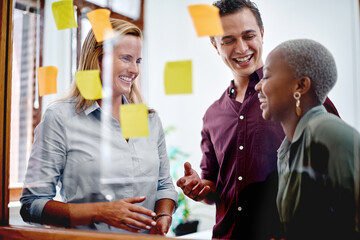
pixel 239 209
pixel 241 117
pixel 240 178
pixel 241 147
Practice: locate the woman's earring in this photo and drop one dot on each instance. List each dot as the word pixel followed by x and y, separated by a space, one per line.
pixel 297 97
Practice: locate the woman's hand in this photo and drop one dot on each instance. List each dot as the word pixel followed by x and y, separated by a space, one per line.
pixel 162 225
pixel 126 215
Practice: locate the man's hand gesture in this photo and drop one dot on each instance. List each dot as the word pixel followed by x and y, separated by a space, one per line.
pixel 192 185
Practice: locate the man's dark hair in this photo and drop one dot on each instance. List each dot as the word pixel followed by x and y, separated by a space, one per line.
pixel 232 6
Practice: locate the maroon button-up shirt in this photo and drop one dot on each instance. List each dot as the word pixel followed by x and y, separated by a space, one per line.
pixel 239 153
pixel 239 150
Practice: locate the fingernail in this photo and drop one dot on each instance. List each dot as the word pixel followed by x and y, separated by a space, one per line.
pixel 153 214
pixel 153 223
pixel 148 227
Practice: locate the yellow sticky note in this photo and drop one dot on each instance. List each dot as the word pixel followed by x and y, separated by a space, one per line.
pixel 100 23
pixel 47 80
pixel 206 20
pixel 63 12
pixel 134 120
pixel 177 77
pixel 89 84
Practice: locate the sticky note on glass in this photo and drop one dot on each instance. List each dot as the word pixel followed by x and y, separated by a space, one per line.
pixel 63 12
pixel 134 120
pixel 89 84
pixel 206 20
pixel 47 80
pixel 100 22
pixel 178 77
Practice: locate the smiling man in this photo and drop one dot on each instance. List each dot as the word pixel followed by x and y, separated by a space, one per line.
pixel 239 147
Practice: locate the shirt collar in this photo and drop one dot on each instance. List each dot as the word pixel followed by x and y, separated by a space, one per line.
pixel 304 120
pixel 96 106
pixel 255 77
pixel 92 108
pixel 299 129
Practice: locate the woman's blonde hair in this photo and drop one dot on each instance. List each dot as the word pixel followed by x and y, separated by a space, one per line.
pixel 90 58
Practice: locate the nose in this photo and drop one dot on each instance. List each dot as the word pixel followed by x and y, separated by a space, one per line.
pixel 133 68
pixel 241 46
pixel 258 86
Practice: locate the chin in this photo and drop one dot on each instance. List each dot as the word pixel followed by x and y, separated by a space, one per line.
pixel 266 115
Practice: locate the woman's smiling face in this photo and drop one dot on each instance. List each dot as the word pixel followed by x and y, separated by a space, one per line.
pixel 277 88
pixel 126 63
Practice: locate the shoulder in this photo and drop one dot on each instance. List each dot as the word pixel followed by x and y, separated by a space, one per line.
pixel 153 115
pixel 60 111
pixel 216 105
pixel 154 119
pixel 331 129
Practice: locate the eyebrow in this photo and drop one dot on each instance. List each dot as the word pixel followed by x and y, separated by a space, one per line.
pixel 242 33
pixel 227 37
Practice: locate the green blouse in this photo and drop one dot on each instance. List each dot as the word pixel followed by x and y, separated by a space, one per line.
pixel 318 193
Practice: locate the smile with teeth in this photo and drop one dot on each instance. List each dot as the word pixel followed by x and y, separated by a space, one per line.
pixel 126 79
pixel 261 99
pixel 243 59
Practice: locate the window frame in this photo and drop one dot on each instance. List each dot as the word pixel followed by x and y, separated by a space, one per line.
pixel 24 232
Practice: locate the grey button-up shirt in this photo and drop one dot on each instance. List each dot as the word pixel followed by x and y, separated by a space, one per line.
pixel 88 158
pixel 319 176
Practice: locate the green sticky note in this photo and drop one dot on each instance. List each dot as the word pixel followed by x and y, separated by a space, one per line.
pixel 89 84
pixel 134 120
pixel 47 80
pixel 178 77
pixel 63 12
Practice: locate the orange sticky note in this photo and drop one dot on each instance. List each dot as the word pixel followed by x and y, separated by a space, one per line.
pixel 63 12
pixel 89 84
pixel 100 23
pixel 47 80
pixel 134 120
pixel 178 77
pixel 206 20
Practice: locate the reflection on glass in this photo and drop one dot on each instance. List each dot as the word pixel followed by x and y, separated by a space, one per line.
pixel 25 54
pixel 107 182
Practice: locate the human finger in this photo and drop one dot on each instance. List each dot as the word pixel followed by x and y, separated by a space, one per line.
pixel 128 228
pixel 189 186
pixel 142 210
pixel 180 183
pixel 141 218
pixel 196 190
pixel 139 223
pixel 187 169
pixel 202 194
pixel 163 229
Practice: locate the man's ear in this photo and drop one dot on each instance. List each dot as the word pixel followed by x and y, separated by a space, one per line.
pixel 303 85
pixel 262 35
pixel 212 40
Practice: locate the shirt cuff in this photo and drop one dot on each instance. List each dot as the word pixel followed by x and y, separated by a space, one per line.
pixel 36 209
pixel 169 194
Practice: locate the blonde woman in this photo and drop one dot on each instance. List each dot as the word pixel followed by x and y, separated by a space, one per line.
pixel 106 182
